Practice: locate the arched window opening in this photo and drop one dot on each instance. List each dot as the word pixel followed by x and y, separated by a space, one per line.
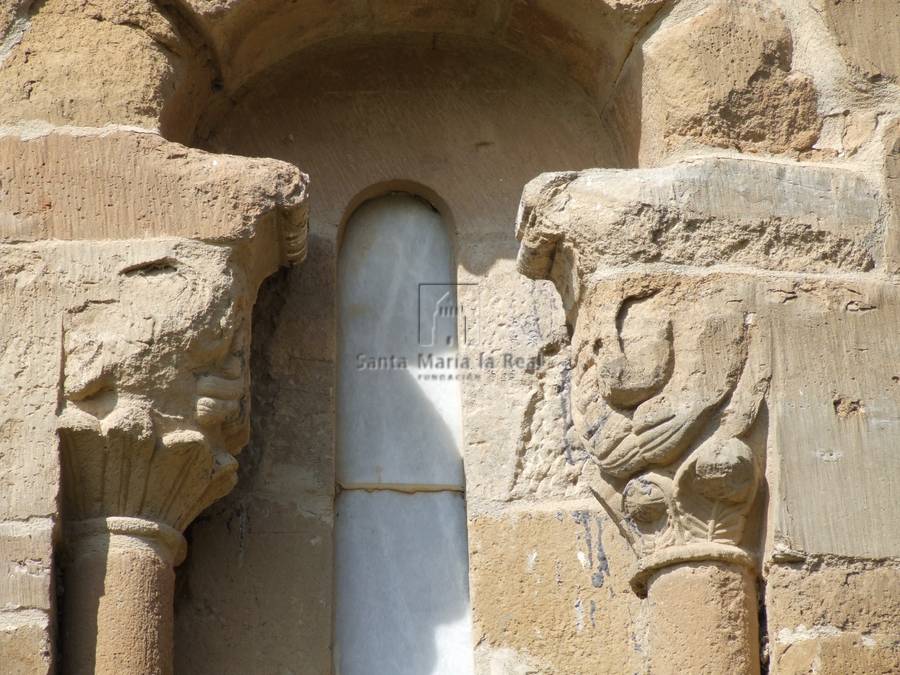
pixel 401 554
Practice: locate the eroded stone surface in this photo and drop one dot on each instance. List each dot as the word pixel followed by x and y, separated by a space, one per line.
pixel 547 588
pixel 267 538
pixel 148 63
pixel 125 367
pixel 702 212
pixel 866 32
pixel 468 125
pixel 719 77
pixel 691 377
pixel 834 616
pixel 702 619
pixel 87 184
pixel 26 562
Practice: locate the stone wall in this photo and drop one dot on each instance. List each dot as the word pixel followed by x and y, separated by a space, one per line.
pixel 742 154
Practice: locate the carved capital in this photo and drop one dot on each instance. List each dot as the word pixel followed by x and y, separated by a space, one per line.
pixel 666 278
pixel 148 263
pixel 155 385
pixel 670 373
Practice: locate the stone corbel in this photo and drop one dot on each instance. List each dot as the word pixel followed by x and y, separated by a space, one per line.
pixel 664 274
pixel 154 290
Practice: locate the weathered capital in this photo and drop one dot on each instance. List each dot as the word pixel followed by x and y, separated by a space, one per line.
pixel 674 304
pixel 155 386
pixel 137 265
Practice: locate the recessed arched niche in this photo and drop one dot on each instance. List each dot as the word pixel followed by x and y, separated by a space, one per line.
pixel 459 120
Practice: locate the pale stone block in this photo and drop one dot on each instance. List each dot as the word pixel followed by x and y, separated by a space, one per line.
pixel 402 584
pixel 833 617
pixel 398 331
pixel 835 418
pixel 550 592
pixel 26 557
pixel 25 647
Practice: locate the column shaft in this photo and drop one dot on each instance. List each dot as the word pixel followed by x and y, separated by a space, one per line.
pixel 703 620
pixel 118 610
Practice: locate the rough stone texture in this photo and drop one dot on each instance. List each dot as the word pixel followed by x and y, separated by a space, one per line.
pixel 462 102
pixel 687 380
pixel 719 77
pixel 244 530
pixel 117 345
pixel 548 593
pixel 126 338
pixel 833 616
pixel 92 184
pixel 26 560
pixel 13 23
pixel 273 534
pixel 148 63
pixel 702 212
pixel 588 41
pixel 892 183
pixel 866 31
pixel 25 645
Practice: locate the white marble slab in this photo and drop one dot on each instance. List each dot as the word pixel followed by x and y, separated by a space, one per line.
pixel 402 604
pixel 396 424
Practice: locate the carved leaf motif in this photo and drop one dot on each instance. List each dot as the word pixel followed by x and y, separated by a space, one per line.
pixel 712 521
pixel 714 490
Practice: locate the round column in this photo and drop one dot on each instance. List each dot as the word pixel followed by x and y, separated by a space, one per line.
pixel 118 610
pixel 702 618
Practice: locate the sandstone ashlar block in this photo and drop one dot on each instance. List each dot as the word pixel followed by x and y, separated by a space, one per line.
pixel 401 573
pixel 133 185
pixel 836 614
pixel 26 561
pixel 834 410
pixel 25 646
pixel 714 74
pixel 146 60
pixel 548 592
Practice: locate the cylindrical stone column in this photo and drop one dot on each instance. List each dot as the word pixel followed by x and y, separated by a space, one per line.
pixel 702 619
pixel 118 610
